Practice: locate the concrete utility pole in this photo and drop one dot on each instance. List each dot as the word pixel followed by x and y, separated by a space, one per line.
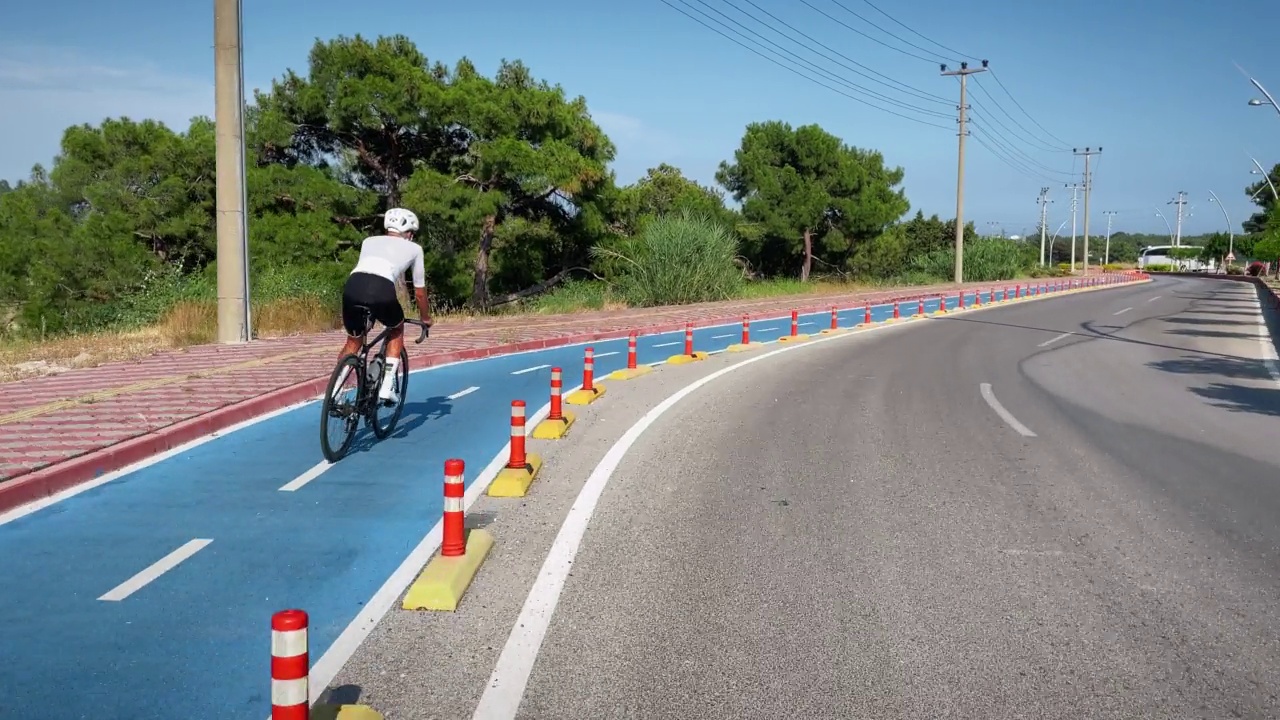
pixel 964 72
pixel 1177 238
pixel 1074 188
pixel 1088 185
pixel 232 228
pixel 1106 258
pixel 1044 213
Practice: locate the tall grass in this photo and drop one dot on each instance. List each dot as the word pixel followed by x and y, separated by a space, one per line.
pixel 985 260
pixel 677 259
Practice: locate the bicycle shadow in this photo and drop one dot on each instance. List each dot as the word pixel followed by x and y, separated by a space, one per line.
pixel 414 415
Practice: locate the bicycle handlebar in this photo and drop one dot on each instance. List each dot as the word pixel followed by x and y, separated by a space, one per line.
pixel 423 327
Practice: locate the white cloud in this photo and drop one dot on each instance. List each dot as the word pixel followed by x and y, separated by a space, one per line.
pixel 47 89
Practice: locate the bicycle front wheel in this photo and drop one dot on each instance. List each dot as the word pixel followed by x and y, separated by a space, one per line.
pixel 383 417
pixel 340 409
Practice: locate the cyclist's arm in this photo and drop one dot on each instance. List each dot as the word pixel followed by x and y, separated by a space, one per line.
pixel 420 286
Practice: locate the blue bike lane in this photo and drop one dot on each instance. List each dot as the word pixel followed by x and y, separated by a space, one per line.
pixel 193 641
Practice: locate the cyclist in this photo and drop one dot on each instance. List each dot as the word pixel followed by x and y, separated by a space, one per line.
pixel 384 259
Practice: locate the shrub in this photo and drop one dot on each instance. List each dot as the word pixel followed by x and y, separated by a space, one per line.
pixel 1255 268
pixel 1112 267
pixel 1159 267
pixel 985 260
pixel 676 259
pixel 1235 270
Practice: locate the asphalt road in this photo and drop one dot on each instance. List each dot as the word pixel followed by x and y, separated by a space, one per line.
pixel 856 531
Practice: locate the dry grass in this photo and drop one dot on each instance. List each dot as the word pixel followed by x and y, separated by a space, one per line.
pixel 195 323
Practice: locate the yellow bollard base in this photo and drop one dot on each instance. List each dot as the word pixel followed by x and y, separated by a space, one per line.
pixel 686 359
pixel 326 711
pixel 585 397
pixel 445 580
pixel 832 331
pixel 630 373
pixel 515 482
pixel 793 338
pixel 554 429
pixel 743 347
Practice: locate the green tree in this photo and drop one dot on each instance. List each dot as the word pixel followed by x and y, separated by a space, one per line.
pixel 1264 199
pixel 529 172
pixel 664 190
pixel 814 195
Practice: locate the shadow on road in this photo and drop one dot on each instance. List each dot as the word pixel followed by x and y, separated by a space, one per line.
pixel 1223 367
pixel 416 414
pixel 1203 321
pixel 1238 398
pixel 1214 334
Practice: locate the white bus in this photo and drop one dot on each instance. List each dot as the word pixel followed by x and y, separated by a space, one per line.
pixel 1159 255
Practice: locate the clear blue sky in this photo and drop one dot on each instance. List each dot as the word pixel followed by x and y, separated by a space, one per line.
pixel 1156 87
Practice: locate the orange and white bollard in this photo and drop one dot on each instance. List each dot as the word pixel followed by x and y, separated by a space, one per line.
pixel 897 310
pixel 290 666
pixel 960 300
pixel 443 581
pixel 866 314
pixel 835 320
pixel 688 338
pixel 746 329
pixel 517 459
pixel 589 391
pixel 453 538
pixel 796 336
pixel 557 423
pixel 920 308
pixel 690 355
pixel 795 323
pixel 633 370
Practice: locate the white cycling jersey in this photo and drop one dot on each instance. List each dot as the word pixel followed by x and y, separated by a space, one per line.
pixel 389 256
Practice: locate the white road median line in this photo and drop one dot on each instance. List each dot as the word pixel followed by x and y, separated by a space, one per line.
pixel 1155 298
pixel 1121 312
pixel 668 344
pixel 606 354
pixel 529 370
pixel 461 393
pixel 316 471
pixel 1051 341
pixel 1005 415
pixel 158 568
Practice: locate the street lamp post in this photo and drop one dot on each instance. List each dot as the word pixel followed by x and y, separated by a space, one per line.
pixel 1231 233
pixel 1269 100
pixel 1265 176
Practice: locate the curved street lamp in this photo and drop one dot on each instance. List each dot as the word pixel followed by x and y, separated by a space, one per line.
pixel 1265 176
pixel 1255 102
pixel 1231 233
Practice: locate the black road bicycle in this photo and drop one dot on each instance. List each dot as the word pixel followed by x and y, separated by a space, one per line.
pixel 345 408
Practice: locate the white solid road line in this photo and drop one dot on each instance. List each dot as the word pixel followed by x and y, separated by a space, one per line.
pixel 529 369
pixel 606 354
pixel 461 393
pixel 1005 415
pixel 1051 341
pixel 316 471
pixel 505 689
pixel 668 344
pixel 158 568
pixel 1121 312
pixel 1155 298
pixel 721 337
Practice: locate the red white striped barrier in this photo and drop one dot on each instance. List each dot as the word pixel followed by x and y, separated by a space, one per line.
pixel 746 329
pixel 795 323
pixel 290 666
pixel 517 459
pixel 688 338
pixel 453 539
pixel 835 321
pixel 897 312
pixel 920 309
pixel 960 299
pixel 557 402
pixel 631 351
pixel 589 369
pixel 866 314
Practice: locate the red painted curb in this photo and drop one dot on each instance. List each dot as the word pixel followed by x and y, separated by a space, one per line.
pixel 31 486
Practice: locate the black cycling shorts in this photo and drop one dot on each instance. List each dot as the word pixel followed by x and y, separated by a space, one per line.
pixel 374 292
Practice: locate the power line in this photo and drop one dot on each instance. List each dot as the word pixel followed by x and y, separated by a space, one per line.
pixel 956 53
pixel 981 138
pixel 1021 160
pixel 909 88
pixel 792 56
pixel 1033 141
pixel 886 32
pixel 801 74
pixel 875 40
pixel 996 77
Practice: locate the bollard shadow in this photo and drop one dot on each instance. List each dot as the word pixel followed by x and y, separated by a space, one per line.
pixel 333 698
pixel 1237 313
pixel 1218 366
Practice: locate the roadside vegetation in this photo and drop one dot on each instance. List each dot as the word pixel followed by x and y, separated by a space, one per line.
pixel 109 253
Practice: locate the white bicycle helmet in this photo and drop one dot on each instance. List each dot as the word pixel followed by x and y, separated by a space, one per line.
pixel 400 220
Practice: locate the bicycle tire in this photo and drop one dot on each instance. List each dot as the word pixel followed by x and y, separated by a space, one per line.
pixel 403 371
pixel 353 421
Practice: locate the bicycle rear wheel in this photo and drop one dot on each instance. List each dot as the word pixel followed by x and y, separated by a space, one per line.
pixel 340 409
pixel 383 418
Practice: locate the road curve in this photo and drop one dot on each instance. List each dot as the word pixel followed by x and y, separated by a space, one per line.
pixel 858 530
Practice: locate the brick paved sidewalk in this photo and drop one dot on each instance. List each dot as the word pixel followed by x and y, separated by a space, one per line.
pixel 62 429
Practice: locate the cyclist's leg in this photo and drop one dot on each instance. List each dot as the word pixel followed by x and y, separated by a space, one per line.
pixel 387 310
pixel 354 320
